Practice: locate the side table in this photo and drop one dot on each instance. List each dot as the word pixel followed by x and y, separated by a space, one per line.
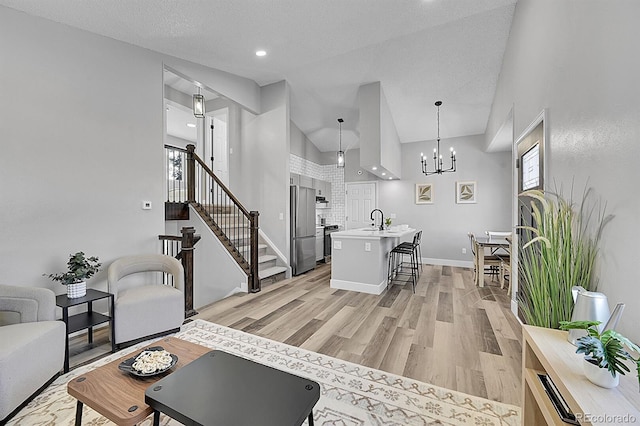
pixel 85 320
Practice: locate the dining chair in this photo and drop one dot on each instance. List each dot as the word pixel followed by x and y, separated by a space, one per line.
pixel 491 262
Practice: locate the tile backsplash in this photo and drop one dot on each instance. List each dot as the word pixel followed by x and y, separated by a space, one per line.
pixel 330 173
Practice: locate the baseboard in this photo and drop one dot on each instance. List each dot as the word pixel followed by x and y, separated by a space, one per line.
pixel 447 262
pixel 514 309
pixel 273 247
pixel 361 287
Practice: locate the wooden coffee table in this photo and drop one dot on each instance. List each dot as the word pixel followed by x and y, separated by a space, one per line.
pixel 119 396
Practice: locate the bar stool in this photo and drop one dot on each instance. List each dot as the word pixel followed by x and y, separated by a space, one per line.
pixel 397 263
pixel 417 237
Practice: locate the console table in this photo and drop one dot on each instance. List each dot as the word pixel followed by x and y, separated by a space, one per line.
pixel 547 352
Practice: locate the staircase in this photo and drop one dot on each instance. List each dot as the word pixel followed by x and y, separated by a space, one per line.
pixel 270 268
pixel 191 181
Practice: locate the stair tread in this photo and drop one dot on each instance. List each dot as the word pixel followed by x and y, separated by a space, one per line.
pixel 266 258
pixel 260 247
pixel 271 271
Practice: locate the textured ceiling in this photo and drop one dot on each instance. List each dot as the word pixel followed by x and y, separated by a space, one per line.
pixel 420 50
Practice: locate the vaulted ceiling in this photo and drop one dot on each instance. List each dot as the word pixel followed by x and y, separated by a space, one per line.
pixel 420 50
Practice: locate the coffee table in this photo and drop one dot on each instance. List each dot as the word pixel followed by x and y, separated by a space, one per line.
pixel 119 396
pixel 223 389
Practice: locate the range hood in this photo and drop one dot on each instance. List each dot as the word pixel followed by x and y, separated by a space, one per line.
pixel 380 150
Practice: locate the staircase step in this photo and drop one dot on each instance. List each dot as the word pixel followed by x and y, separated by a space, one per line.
pixel 266 258
pixel 260 247
pixel 269 272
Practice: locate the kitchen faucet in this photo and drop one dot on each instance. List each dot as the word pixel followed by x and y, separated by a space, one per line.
pixel 381 218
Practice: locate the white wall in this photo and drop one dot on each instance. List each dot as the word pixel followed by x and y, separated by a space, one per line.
pixel 82 146
pixel 304 148
pixel 579 59
pixel 444 223
pixel 216 273
pixel 264 153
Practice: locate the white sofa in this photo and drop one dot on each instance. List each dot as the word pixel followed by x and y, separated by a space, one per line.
pixel 32 345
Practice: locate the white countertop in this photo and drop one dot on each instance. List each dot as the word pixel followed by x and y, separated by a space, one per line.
pixel 372 233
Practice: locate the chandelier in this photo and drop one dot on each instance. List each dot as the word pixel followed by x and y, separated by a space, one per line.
pixel 340 152
pixel 437 157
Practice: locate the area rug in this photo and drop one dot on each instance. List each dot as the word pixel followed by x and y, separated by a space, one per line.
pixel 351 394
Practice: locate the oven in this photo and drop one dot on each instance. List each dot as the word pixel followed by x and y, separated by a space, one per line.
pixel 328 229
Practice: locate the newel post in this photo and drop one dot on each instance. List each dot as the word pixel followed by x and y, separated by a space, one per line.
pixel 254 278
pixel 188 241
pixel 191 173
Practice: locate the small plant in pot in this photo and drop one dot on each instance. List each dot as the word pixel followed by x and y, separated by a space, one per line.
pixel 80 269
pixel 604 353
pixel 387 222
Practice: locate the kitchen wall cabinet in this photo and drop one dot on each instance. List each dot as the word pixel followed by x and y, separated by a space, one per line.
pixel 322 187
pixel 306 181
pixel 294 179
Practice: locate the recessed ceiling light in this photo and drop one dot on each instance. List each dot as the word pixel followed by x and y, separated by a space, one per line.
pixel 384 174
pixel 374 168
pixel 390 177
pixel 261 53
pixel 191 125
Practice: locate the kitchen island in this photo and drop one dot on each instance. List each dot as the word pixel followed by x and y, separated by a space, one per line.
pixel 360 257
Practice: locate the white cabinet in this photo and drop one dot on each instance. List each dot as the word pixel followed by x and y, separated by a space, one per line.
pixel 294 179
pixel 306 181
pixel 319 244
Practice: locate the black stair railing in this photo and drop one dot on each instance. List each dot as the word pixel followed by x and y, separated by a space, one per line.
pixel 191 181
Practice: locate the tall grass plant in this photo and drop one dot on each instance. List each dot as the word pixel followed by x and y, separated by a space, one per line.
pixel 560 253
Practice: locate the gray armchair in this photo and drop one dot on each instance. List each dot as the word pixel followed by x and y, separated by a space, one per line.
pixel 32 345
pixel 148 308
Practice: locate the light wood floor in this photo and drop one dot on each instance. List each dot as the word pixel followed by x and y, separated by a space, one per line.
pixel 450 333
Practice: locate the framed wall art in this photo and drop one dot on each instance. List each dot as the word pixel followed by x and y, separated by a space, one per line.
pixel 424 193
pixel 466 192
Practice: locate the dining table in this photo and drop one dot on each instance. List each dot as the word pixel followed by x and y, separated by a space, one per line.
pixel 495 244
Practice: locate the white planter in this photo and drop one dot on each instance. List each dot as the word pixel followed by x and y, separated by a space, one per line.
pixel 600 376
pixel 77 290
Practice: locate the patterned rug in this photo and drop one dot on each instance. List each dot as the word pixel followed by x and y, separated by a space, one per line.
pixel 351 394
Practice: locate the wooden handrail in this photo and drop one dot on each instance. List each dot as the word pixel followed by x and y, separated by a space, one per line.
pixel 226 225
pixel 191 149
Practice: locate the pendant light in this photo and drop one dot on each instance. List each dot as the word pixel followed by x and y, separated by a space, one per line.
pixel 340 152
pixel 437 157
pixel 198 104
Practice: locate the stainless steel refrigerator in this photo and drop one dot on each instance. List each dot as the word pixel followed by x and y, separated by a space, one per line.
pixel 303 229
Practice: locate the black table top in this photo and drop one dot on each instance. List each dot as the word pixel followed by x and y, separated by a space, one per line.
pixel 223 389
pixel 64 302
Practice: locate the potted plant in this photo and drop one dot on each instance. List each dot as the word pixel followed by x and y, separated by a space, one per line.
pixel 387 222
pixel 559 253
pixel 80 269
pixel 604 353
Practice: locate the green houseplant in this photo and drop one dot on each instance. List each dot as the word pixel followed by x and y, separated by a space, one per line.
pixel 387 222
pixel 560 253
pixel 79 270
pixel 604 350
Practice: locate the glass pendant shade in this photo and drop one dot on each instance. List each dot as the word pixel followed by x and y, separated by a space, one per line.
pixel 198 105
pixel 341 159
